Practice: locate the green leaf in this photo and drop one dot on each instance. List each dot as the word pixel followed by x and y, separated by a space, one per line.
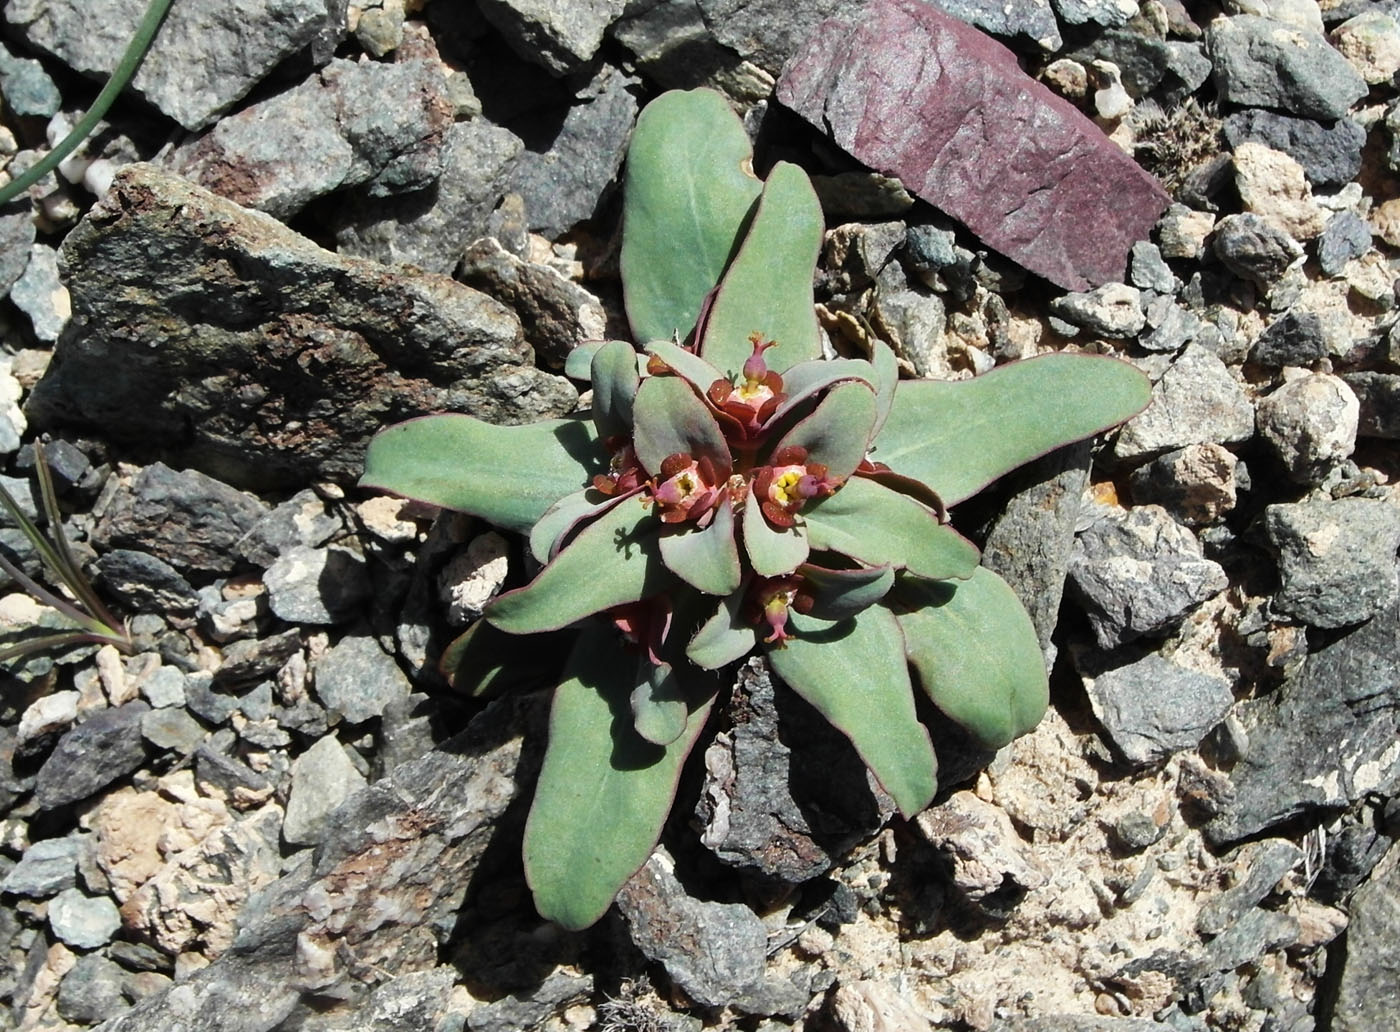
pixel 869 522
pixel 578 364
pixel 603 793
pixel 686 363
pixel 855 674
pixel 548 534
pixel 671 418
pixel 977 656
pixel 507 475
pixel 615 379
pixel 659 710
pixel 837 431
pixel 724 637
pixel 483 662
pixel 688 192
pixel 612 561
pixel 707 559
pixel 768 287
pixel 841 594
pixel 959 436
pixel 886 380
pixel 772 552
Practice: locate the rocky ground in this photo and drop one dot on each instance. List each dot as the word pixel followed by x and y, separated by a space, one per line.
pixel 307 221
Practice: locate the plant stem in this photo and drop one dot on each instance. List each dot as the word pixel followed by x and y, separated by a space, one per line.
pixel 121 75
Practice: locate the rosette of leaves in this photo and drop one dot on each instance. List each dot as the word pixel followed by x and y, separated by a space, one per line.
pixel 731 491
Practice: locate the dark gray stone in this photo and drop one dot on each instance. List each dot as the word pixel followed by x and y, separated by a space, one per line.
pixel 16 240
pixel 332 131
pixel 1368 990
pixel 356 680
pixel 171 728
pixel 1323 740
pixel 715 952
pixel 207 55
pixel 323 777
pixel 1258 62
pixel 1296 338
pixel 1345 237
pixel 1108 13
pixel 47 867
pixel 317 585
pixel 1379 394
pixel 249 660
pixel 561 38
pixel 1170 326
pixel 897 89
pixel 26 87
pixel 567 183
pixel 84 921
pixel 769 32
pixel 1113 310
pixel 186 519
pixel 1153 708
pixel 1139 572
pixel 432 227
pixel 784 793
pixel 1149 271
pixel 1254 247
pixel 143 583
pixel 1254 934
pixel 227 775
pixel 531 1009
pixel 1355 845
pixel 301 520
pixel 1031 541
pixel 214 706
pixel 1264 863
pixel 1195 484
pixel 1197 401
pixel 91 992
pixel 39 294
pixel 1336 558
pixel 1031 21
pixel 1169 69
pixel 405 732
pixel 89 757
pixel 1330 154
pixel 673 47
pixel 224 340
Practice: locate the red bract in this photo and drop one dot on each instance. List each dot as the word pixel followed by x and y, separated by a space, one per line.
pixel 760 394
pixel 772 599
pixel 689 489
pixel 624 471
pixel 784 487
pixel 645 624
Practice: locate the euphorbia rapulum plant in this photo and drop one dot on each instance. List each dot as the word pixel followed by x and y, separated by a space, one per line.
pixel 731 491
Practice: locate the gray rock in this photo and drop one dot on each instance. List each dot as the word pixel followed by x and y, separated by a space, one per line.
pixel 989 863
pixel 39 294
pixel 534 1008
pixel 1031 205
pixel 1108 13
pixel 1031 20
pixel 567 183
pixel 1077 1023
pixel 1296 338
pixel 1171 326
pixel 1153 707
pixel 1256 933
pixel 1330 155
pixel 715 952
pixel 1258 62
pixel 91 992
pixel 143 583
pixel 1265 864
pixel 322 778
pixel 1197 401
pixel 1323 740
pixel 89 757
pixel 673 47
pixel 1195 484
pixel 556 312
pixel 207 55
pixel 86 922
pixel 316 585
pixel 300 520
pixel 1311 425
pixel 1254 247
pixel 1345 237
pixel 769 32
pixel 403 847
pixel 1031 541
pixel 228 776
pixel 432 227
pixel 560 37
pixel 1336 558
pixel 214 706
pixel 405 732
pixel 16 240
pixel 232 344
pixel 173 729
pixel 1368 990
pixel 26 87
pixel 47 867
pixel 1148 270
pixel 164 686
pixel 1139 572
pixel 332 131
pixel 1379 394
pixel 784 796
pixel 184 518
pixel 356 680
pixel 1169 69
pixel 1112 310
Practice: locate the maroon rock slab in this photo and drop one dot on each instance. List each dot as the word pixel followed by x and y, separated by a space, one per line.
pixel 914 93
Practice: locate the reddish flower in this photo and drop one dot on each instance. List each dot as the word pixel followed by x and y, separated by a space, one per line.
pixel 784 487
pixel 772 599
pixel 760 394
pixel 624 474
pixel 689 489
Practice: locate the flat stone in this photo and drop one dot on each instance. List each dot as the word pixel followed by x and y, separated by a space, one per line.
pixel 1296 338
pixel 1259 62
pixel 316 585
pixel 92 991
pixel 769 32
pixel 1197 401
pixel 1029 20
pixel 1195 484
pixel 172 728
pixel 330 132
pixel 103 748
pixel 1379 394
pixel 1346 236
pixel 144 583
pixel 1330 154
pixel 1326 738
pixel 231 344
pixel 1311 425
pixel 1262 866
pixel 40 295
pixel 560 37
pixel 1113 310
pixel 86 922
pixel 47 867
pixel 1336 558
pixel 16 239
pixel 322 778
pixel 531 1008
pixel 28 90
pixel 356 679
pixel 1139 572
pixel 1153 707
pixel 906 65
pixel 1255 247
pixel 207 55
pixel 1368 990
pixel 302 520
